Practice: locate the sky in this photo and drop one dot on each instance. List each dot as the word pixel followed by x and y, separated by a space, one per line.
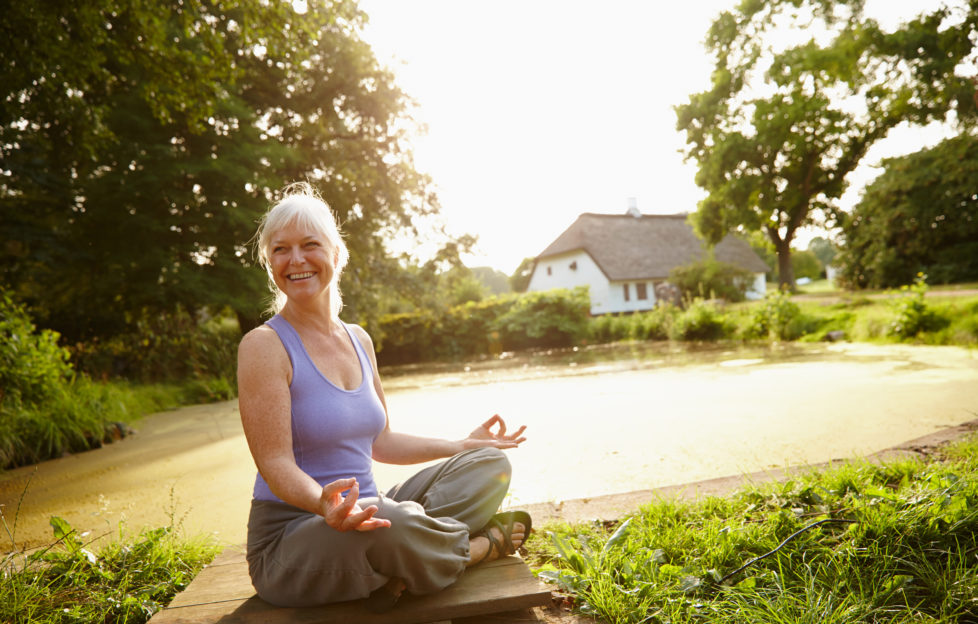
pixel 540 110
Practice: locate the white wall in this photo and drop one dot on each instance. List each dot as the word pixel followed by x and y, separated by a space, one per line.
pixel 605 297
pixel 758 289
pixel 562 275
pixel 616 299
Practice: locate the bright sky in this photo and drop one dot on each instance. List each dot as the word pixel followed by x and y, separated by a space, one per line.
pixel 540 110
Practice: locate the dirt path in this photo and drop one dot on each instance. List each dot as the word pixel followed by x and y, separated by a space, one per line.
pixel 595 429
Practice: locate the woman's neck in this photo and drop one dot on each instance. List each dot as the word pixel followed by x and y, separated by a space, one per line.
pixel 316 317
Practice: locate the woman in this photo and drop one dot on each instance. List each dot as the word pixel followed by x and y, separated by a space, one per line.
pixel 314 414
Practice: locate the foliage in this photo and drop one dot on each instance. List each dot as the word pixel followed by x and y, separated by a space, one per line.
pixel 701 320
pixel 858 542
pixel 782 127
pixel 166 348
pixel 711 278
pixel 913 316
pixel 805 264
pixel 127 581
pixel 920 215
pixel 554 318
pixel 48 409
pixel 824 251
pixel 141 142
pixel 513 322
pixel 33 368
pixel 519 281
pixel 655 324
pixel 776 317
pixel 495 282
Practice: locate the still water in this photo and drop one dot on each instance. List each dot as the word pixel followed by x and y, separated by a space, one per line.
pixel 601 420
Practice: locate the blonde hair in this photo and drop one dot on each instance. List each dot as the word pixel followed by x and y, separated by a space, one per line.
pixel 301 205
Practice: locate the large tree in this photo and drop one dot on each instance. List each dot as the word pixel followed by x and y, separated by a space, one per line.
pixel 919 215
pixel 783 126
pixel 141 143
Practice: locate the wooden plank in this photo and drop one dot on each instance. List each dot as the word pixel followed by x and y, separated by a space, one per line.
pixel 223 592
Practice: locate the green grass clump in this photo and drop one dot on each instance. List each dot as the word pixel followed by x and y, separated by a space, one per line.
pixel 125 582
pixel 860 542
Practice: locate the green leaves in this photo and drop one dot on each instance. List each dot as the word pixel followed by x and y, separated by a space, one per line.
pixel 785 123
pixel 920 215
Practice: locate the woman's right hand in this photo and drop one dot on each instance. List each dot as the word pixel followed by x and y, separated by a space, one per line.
pixel 343 513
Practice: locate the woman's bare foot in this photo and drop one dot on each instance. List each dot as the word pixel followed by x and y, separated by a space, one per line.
pixel 481 549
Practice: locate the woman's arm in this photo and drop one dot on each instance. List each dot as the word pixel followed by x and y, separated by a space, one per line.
pixel 400 448
pixel 264 374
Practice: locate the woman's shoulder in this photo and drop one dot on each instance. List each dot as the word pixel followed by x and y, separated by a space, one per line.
pixel 261 340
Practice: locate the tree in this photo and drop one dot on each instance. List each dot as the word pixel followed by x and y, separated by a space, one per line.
pixel 519 281
pixel 495 281
pixel 919 216
pixel 823 249
pixel 779 131
pixel 141 143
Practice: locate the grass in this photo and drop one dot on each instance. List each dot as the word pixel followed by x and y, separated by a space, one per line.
pixel 860 542
pixel 127 581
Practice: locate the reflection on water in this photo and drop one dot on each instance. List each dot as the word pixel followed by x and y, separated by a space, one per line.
pixel 592 360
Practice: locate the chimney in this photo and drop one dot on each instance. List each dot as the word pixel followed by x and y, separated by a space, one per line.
pixel 633 210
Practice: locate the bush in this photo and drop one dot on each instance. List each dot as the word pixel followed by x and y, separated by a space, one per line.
pixel 701 320
pixel 913 316
pixel 555 318
pixel 46 409
pixel 776 317
pixel 170 347
pixel 710 278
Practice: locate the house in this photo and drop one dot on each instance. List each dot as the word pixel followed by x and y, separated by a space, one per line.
pixel 622 258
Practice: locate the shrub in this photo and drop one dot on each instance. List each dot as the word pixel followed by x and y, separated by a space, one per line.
pixel 33 368
pixel 555 318
pixel 701 320
pixel 170 347
pixel 45 408
pixel 913 316
pixel 711 278
pixel 776 317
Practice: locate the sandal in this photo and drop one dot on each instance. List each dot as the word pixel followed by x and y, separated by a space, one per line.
pixel 382 599
pixel 504 522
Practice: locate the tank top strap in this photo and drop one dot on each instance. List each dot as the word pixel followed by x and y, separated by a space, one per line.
pixel 365 365
pixel 289 337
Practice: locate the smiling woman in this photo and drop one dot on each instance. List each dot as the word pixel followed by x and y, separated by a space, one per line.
pixel 315 417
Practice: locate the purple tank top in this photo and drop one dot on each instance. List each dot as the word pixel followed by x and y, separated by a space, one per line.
pixel 333 429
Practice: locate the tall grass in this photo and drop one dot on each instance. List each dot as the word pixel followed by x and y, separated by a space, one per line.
pixel 868 543
pixel 127 581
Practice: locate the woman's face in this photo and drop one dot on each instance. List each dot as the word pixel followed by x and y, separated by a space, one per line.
pixel 303 265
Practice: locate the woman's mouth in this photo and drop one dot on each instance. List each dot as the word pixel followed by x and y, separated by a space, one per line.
pixel 300 276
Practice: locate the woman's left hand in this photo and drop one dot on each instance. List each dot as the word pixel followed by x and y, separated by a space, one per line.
pixel 484 435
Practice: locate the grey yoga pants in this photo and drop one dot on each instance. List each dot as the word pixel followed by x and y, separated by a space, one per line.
pixel 295 559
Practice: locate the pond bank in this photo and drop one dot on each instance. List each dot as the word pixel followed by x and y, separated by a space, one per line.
pixel 599 423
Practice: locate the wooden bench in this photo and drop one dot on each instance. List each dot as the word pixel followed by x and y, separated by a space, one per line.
pixel 222 592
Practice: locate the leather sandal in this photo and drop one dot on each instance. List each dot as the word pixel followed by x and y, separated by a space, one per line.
pixel 382 600
pixel 504 522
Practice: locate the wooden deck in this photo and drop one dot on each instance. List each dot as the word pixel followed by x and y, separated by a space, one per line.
pixel 222 592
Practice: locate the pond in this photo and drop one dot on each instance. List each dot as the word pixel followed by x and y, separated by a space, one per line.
pixel 601 420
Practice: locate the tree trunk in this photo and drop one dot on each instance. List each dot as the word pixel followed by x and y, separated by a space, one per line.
pixel 786 274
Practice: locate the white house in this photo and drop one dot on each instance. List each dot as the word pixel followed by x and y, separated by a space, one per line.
pixel 621 258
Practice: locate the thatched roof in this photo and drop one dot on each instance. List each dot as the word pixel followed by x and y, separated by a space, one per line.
pixel 627 247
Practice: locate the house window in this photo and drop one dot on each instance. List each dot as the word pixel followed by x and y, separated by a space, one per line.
pixel 550 271
pixel 641 291
pixel 627 295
